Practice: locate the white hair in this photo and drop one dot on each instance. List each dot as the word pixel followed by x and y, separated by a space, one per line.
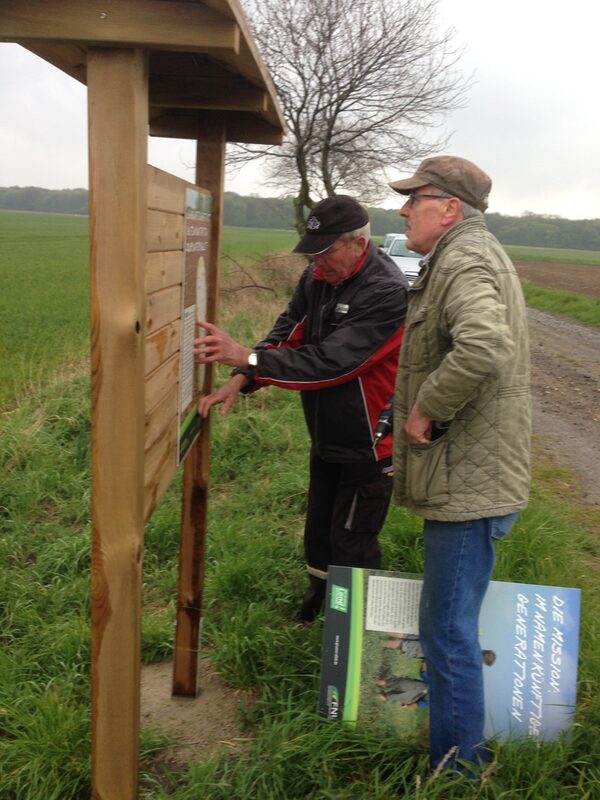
pixel 364 231
pixel 468 211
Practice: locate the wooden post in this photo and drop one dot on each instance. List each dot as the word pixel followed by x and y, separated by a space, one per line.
pixel 118 120
pixel 209 175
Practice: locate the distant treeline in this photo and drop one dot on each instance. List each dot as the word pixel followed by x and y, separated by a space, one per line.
pixel 530 229
pixel 51 201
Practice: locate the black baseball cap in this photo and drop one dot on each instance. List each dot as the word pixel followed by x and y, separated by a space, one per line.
pixel 328 220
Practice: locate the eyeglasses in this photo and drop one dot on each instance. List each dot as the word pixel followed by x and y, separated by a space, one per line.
pixel 413 197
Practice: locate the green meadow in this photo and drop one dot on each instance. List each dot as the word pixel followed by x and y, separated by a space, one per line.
pixel 44 288
pixel 553 255
pixel 575 306
pixel 251 244
pixel 44 280
pixel 44 293
pixel 254 570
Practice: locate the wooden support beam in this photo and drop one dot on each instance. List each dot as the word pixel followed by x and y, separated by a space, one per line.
pixel 70 58
pixel 118 113
pixel 207 93
pixel 155 24
pixel 210 174
pixel 249 61
pixel 241 126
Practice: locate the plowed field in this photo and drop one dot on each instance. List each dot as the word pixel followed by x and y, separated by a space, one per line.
pixel 574 278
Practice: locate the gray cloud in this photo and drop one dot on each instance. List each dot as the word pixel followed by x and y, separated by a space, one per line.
pixel 532 119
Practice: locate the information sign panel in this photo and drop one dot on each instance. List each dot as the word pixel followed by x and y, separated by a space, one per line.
pixel 196 243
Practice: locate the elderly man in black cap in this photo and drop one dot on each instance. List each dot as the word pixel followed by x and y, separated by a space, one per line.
pixel 461 430
pixel 337 343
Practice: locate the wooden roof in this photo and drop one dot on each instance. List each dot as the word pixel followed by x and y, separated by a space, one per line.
pixel 202 58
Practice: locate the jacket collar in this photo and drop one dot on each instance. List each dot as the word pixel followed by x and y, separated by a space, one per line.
pixel 471 224
pixel 428 262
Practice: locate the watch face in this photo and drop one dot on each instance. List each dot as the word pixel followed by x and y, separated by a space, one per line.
pixel 252 360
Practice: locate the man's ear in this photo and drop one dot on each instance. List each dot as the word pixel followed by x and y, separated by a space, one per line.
pixel 453 213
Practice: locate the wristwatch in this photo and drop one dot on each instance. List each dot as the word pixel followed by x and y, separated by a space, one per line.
pixel 253 360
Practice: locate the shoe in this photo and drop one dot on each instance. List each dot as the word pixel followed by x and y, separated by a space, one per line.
pixel 312 600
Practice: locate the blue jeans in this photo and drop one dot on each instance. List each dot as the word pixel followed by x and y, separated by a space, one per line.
pixel 459 559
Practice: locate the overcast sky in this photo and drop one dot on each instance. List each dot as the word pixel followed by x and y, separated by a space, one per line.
pixel 532 118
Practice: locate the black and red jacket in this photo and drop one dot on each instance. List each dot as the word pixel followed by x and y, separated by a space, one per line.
pixel 339 347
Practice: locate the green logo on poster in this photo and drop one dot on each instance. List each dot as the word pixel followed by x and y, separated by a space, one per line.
pixel 339 598
pixel 333 702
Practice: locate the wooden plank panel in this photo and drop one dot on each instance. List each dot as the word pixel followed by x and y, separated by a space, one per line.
pixel 125 23
pixel 161 417
pixel 163 270
pixel 159 468
pixel 163 307
pixel 164 231
pixel 162 344
pixel 165 191
pixel 117 114
pixel 160 382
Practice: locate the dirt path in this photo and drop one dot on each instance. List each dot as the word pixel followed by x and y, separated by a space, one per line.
pixel 565 380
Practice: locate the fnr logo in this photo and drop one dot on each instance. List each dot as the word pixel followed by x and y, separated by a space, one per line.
pixel 333 703
pixel 339 598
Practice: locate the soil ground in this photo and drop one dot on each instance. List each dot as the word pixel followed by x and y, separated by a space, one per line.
pixel 566 422
pixel 565 382
pixel 199 726
pixel 574 278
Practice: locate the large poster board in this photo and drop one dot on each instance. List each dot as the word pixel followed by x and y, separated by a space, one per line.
pixel 373 672
pixel 198 206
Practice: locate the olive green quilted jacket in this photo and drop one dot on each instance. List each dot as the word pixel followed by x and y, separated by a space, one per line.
pixel 465 360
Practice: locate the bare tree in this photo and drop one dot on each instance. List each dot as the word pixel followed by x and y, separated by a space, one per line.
pixel 364 85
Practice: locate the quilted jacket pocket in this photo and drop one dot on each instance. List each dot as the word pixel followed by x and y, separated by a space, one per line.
pixel 427 472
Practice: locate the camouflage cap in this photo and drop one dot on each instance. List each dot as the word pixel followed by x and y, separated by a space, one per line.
pixel 454 176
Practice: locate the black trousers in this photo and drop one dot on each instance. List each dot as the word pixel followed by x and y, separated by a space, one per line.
pixel 347 504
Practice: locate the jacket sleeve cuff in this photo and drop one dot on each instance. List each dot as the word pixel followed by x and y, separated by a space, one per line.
pixel 249 374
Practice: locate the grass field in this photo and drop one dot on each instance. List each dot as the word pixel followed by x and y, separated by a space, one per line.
pixel 44 281
pixel 254 576
pixel 553 255
pixel 44 288
pixel 582 309
pixel 254 243
pixel 44 293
